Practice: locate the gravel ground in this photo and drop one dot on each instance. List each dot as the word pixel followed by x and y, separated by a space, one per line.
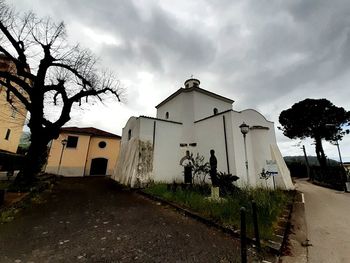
pixel 94 220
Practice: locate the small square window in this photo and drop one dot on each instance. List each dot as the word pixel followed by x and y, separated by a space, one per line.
pixel 72 141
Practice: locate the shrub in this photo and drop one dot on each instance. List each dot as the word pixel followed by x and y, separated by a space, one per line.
pixel 297 169
pixel 270 204
pixel 331 176
pixel 225 183
pixel 10 161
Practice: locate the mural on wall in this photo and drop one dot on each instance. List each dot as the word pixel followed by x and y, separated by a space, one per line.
pixel 135 165
pixel 145 163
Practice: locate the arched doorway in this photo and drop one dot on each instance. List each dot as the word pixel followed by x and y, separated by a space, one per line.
pixel 98 166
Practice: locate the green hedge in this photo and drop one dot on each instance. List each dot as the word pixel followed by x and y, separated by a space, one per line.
pixel 298 170
pixel 332 176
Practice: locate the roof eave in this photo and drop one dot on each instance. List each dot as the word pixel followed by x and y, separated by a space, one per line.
pixel 203 91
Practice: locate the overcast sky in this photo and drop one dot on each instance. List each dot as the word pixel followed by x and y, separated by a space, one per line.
pixel 263 54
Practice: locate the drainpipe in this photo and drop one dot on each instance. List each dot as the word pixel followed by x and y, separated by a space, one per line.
pixel 226 149
pixel 87 155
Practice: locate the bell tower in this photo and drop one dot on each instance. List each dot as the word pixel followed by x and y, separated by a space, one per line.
pixel 192 83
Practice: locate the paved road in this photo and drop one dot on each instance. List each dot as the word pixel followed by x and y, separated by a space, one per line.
pixel 328 221
pixel 93 220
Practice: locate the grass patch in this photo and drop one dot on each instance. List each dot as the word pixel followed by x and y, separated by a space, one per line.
pixel 8 215
pixel 270 205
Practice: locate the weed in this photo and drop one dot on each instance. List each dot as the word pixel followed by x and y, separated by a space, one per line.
pixel 270 204
pixel 8 215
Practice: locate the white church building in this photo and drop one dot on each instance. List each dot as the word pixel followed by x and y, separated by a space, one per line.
pixel 196 120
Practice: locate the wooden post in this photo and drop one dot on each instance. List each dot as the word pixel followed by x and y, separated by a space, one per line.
pixel 243 236
pixel 307 163
pixel 256 226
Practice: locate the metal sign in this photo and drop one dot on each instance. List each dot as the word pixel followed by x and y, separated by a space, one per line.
pixel 271 167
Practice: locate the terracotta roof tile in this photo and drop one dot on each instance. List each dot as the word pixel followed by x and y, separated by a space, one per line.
pixel 90 131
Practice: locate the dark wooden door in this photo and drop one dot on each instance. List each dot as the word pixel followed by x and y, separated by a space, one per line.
pixel 98 166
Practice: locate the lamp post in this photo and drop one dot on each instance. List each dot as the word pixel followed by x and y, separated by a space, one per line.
pixel 244 130
pixel 63 142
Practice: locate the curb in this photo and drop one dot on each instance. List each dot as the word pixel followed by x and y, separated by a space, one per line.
pixel 296 244
pixel 286 217
pixel 273 246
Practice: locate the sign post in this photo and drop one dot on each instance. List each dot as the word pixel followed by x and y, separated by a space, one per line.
pixel 272 170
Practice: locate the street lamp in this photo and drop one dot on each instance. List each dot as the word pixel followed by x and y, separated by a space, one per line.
pixel 244 130
pixel 63 142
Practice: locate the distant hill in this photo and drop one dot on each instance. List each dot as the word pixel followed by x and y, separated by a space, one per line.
pixel 312 160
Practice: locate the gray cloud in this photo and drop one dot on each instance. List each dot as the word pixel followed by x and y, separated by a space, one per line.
pixel 264 54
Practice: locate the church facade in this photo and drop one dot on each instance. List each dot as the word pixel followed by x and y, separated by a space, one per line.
pixel 196 120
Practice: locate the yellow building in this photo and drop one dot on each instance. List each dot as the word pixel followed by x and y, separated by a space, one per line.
pixel 347 166
pixel 12 117
pixel 83 152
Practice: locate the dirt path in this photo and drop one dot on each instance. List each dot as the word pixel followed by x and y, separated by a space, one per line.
pixel 328 215
pixel 92 220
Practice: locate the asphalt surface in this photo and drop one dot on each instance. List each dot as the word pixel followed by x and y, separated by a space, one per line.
pixel 327 215
pixel 94 220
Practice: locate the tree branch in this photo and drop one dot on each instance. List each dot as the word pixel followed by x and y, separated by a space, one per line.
pixel 74 71
pixel 20 82
pixel 17 45
pixel 93 92
pixel 15 91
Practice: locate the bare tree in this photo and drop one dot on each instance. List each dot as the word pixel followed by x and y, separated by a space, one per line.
pixel 46 70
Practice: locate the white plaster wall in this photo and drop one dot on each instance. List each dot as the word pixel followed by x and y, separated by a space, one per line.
pixel 174 107
pixel 204 105
pixel 231 143
pixel 236 120
pixel 134 125
pixel 262 152
pixel 146 129
pixel 258 145
pixel 188 118
pixel 210 135
pixel 167 152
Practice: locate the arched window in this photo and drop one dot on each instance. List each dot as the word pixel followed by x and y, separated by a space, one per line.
pixel 129 134
pixel 215 111
pixel 167 115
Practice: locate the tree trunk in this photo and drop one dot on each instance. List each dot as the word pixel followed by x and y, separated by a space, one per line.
pixel 33 161
pixel 321 157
